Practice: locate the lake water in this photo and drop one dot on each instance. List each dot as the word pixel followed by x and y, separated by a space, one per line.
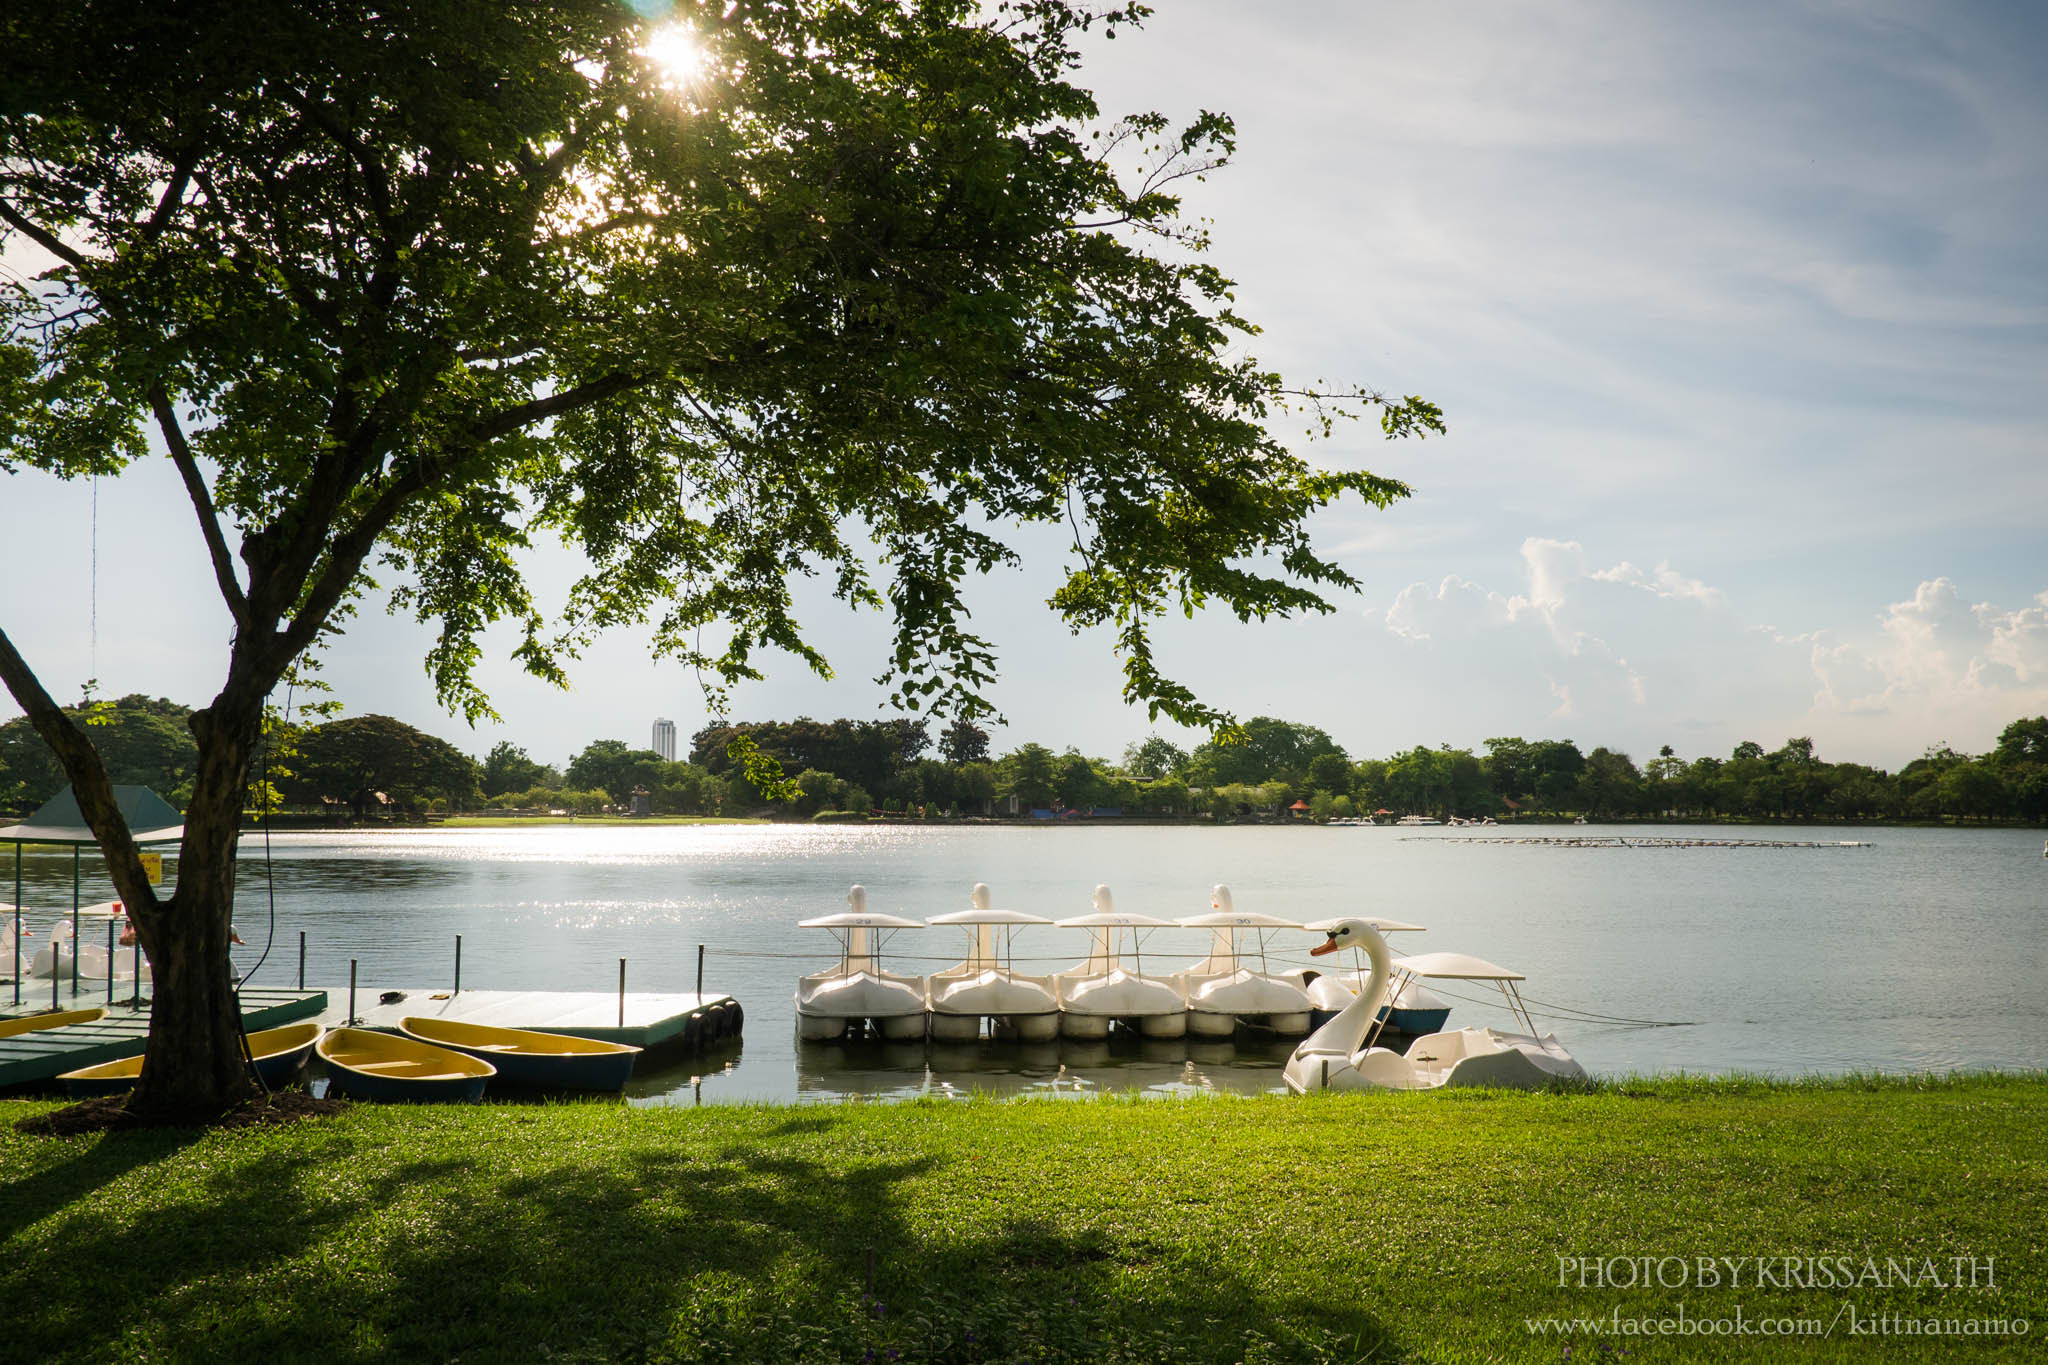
pixel 1927 950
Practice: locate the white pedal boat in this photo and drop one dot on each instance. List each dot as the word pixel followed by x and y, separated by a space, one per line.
pixel 1232 986
pixel 1100 990
pixel 981 987
pixel 1342 1054
pixel 831 1003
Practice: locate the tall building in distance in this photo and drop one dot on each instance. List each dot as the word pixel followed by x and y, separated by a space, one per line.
pixel 665 738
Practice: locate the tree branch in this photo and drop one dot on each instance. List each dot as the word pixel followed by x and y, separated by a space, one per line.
pixel 174 193
pixel 202 504
pixel 509 420
pixel 87 773
pixel 43 237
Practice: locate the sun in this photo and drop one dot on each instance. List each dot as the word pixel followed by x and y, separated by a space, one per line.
pixel 675 53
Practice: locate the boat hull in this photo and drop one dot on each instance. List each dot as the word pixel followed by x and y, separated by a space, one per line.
pixel 1091 1002
pixel 1020 1007
pixel 530 1057
pixel 383 1067
pixel 279 1054
pixel 830 1003
pixel 36 1023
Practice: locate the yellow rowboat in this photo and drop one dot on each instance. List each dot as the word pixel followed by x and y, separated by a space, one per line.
pixel 366 1065
pixel 553 1061
pixel 36 1023
pixel 278 1053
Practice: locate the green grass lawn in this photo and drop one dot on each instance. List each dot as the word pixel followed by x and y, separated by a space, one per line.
pixel 1384 1228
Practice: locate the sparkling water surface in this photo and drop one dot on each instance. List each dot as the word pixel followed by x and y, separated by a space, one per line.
pixel 1927 951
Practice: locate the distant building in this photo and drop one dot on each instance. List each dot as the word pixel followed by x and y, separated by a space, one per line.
pixel 665 739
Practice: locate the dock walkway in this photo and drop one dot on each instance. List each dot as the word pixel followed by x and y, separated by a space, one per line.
pixel 649 1019
pixel 44 1055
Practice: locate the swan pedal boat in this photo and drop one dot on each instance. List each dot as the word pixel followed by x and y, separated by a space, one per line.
pixel 1099 990
pixel 1409 1007
pixel 277 1052
pixel 831 1002
pixel 366 1065
pixel 1018 1006
pixel 1341 1054
pixel 551 1061
pixel 36 1023
pixel 1229 988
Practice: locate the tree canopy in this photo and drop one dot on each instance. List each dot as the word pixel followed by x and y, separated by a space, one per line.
pixel 401 288
pixel 355 760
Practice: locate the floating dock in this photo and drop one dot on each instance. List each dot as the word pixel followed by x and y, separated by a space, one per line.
pixel 644 1019
pixel 47 1054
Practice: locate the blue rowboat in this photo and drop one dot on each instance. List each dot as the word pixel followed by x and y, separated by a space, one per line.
pixel 366 1065
pixel 278 1053
pixel 550 1061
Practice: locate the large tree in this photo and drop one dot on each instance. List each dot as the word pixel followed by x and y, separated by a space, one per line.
pixel 781 289
pixel 356 760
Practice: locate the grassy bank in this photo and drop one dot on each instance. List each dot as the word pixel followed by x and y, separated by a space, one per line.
pixel 1381 1228
pixel 520 821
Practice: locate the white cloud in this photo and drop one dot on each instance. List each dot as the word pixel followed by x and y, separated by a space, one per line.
pixel 1637 659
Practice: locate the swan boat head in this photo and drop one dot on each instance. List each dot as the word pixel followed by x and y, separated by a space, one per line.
pixel 1335 1055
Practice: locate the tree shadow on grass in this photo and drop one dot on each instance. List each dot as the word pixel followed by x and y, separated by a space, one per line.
pixel 94 1164
pixel 641 1251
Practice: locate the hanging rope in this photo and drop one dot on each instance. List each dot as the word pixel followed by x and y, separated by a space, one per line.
pixel 92 677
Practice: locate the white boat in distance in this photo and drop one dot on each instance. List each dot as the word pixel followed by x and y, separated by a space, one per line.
pixel 831 1003
pixel 1233 986
pixel 1017 1006
pixel 1341 1055
pixel 1100 990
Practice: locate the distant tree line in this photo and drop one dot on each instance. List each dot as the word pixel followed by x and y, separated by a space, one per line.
pixel 366 766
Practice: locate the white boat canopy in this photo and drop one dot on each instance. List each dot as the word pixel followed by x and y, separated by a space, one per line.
pixel 858 916
pixel 1107 916
pixel 1239 919
pixel 988 917
pixel 982 912
pixel 1115 919
pixel 1379 922
pixel 1455 967
pixel 861 919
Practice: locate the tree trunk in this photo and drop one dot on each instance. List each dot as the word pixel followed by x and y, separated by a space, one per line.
pixel 194 1068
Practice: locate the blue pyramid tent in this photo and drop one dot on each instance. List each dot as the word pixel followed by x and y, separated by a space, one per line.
pixel 152 819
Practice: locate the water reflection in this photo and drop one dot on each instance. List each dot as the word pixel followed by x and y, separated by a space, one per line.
pixel 1125 1061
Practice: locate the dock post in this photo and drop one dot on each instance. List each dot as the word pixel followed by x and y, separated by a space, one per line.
pixel 110 964
pixel 458 966
pixel 135 975
pixel 700 973
pixel 622 992
pixel 302 959
pixel 351 993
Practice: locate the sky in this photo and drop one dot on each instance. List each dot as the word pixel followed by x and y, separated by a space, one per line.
pixel 1738 315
